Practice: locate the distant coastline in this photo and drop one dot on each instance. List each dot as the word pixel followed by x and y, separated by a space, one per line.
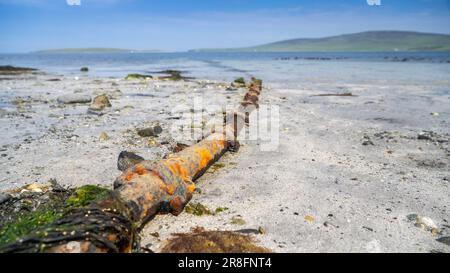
pixel 370 41
pixel 93 50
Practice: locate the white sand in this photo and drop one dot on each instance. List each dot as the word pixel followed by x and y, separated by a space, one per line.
pixel 321 169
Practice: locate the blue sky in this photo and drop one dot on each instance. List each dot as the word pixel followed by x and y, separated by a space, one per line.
pixel 177 25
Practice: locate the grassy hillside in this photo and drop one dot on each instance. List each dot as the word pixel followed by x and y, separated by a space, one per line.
pixel 365 41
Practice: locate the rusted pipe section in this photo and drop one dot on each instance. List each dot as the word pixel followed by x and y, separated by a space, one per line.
pixel 141 192
pixel 167 186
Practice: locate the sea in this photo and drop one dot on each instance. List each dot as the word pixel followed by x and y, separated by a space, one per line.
pixel 282 69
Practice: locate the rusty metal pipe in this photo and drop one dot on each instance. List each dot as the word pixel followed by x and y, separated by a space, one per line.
pixel 149 188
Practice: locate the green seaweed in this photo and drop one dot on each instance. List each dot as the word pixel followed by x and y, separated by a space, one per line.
pixel 27 223
pixel 84 195
pixel 197 209
pixel 257 81
pixel 43 216
pixel 240 80
pixel 174 75
pixel 221 209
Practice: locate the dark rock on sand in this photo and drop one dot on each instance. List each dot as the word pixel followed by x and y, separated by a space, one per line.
pixel 231 88
pixel 426 135
pixel 173 75
pixel 135 76
pixel 346 94
pixel 4 197
pixel 56 187
pixel 444 240
pixel 103 136
pixel 84 69
pixel 239 82
pixel 74 98
pixel 12 70
pixel 113 94
pixel 179 147
pixel 367 141
pixel 423 222
pixel 99 104
pixel 128 159
pixel 150 131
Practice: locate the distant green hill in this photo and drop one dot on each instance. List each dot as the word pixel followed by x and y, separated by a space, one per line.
pixel 92 50
pixel 364 41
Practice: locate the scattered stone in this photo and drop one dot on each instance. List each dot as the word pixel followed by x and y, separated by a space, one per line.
pixel 329 224
pixel 155 234
pixel 446 178
pixel 231 88
pixel 152 131
pixel 309 218
pixel 347 94
pixel 127 160
pixel 237 220
pixel 431 163
pixel 74 98
pixel 434 114
pixel 84 69
pixel 135 76
pixel 248 231
pixel 179 147
pixel 99 103
pixel 262 230
pixel 115 94
pixel 152 143
pixel 147 249
pixel 424 136
pixel 238 83
pixel 367 141
pixel 4 197
pixel 412 217
pixel 173 75
pixel 56 187
pixel 35 187
pixel 103 136
pixel 444 240
pixel 368 228
pixel 424 223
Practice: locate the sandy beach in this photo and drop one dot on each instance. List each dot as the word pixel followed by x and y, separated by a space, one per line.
pixel 362 165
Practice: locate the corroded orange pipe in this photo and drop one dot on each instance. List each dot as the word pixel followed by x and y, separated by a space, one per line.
pixel 167 186
pixel 149 188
